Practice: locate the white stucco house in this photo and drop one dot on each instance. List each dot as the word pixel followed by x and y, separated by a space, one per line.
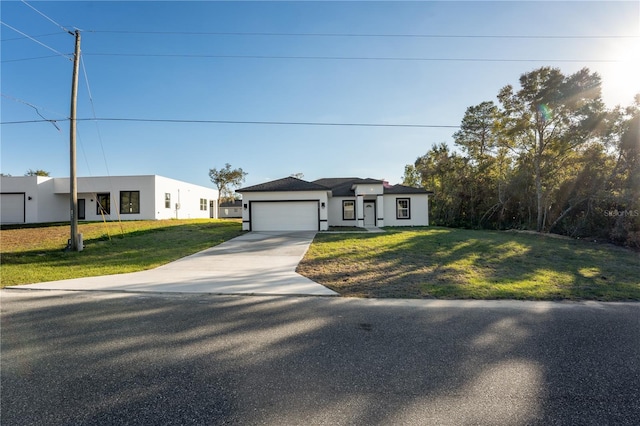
pixel 292 204
pixel 230 209
pixel 37 199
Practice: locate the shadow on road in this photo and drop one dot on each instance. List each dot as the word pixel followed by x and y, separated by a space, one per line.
pixel 79 358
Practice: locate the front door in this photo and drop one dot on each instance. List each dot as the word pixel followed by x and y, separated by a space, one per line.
pixel 369 213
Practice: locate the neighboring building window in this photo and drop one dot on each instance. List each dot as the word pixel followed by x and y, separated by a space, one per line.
pixel 348 210
pixel 167 200
pixel 402 208
pixel 129 202
pixel 203 204
pixel 103 204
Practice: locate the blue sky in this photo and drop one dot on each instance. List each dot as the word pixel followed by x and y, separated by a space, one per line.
pixel 270 61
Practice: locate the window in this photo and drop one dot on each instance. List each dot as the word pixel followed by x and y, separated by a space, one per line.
pixel 348 210
pixel 402 208
pixel 203 204
pixel 167 200
pixel 129 202
pixel 103 204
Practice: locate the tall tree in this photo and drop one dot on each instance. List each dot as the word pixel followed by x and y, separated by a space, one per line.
pixel 226 179
pixel 547 120
pixel 477 135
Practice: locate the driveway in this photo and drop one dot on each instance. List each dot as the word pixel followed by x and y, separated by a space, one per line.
pixel 255 263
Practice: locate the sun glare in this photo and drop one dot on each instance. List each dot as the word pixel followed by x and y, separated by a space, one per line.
pixel 621 79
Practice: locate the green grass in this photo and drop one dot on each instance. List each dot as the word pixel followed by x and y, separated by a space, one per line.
pixel 36 254
pixel 456 263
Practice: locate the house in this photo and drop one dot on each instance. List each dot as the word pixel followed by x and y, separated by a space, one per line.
pixel 38 199
pixel 295 204
pixel 230 209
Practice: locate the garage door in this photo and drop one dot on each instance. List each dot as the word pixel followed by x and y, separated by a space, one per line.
pixel 12 208
pixel 284 216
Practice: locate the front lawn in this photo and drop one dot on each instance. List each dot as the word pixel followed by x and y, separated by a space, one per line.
pixel 36 254
pixel 468 264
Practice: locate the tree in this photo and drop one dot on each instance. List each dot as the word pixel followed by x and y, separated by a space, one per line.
pixel 38 172
pixel 411 176
pixel 546 121
pixel 226 179
pixel 477 135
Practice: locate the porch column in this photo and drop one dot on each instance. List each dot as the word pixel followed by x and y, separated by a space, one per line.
pixel 380 211
pixel 360 211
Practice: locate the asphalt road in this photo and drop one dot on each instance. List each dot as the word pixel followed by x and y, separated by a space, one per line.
pixel 87 358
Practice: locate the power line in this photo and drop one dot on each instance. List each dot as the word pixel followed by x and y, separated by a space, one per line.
pixel 49 19
pixel 33 39
pixel 93 112
pixel 247 122
pixel 22 38
pixel 268 34
pixel 29 59
pixel 35 107
pixel 350 58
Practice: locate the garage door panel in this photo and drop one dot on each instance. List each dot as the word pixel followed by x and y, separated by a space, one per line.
pixel 284 216
pixel 12 208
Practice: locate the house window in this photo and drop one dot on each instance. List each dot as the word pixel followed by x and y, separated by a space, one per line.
pixel 103 204
pixel 348 210
pixel 167 200
pixel 129 202
pixel 203 204
pixel 403 208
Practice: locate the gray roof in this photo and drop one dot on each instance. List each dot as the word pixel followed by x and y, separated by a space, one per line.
pixel 234 203
pixel 284 184
pixel 339 187
pixel 401 189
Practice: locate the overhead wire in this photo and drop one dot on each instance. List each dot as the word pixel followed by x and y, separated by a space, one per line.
pixel 248 122
pixel 22 38
pixel 35 107
pixel 268 34
pixel 359 58
pixel 49 19
pixel 37 41
pixel 93 111
pixel 28 59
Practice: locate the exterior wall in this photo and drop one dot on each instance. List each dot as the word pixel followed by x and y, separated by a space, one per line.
pixel 230 212
pixel 89 187
pixel 320 196
pixel 50 197
pixel 40 202
pixel 335 212
pixel 187 196
pixel 369 189
pixel 418 210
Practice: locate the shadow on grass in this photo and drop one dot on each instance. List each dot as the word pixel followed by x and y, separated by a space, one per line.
pixel 452 263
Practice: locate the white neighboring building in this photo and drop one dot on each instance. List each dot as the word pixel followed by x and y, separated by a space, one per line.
pixel 37 199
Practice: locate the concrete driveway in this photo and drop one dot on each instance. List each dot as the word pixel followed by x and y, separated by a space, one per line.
pixel 255 263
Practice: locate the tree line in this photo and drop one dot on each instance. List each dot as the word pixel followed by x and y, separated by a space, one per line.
pixel 548 156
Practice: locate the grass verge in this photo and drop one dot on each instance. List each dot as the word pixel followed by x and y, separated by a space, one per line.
pixel 36 254
pixel 469 264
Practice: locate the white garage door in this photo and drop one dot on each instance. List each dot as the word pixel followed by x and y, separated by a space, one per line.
pixel 12 208
pixel 284 216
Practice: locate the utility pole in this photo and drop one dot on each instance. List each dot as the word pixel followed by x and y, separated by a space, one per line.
pixel 73 241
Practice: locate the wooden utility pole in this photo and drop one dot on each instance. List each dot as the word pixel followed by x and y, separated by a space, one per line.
pixel 74 244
